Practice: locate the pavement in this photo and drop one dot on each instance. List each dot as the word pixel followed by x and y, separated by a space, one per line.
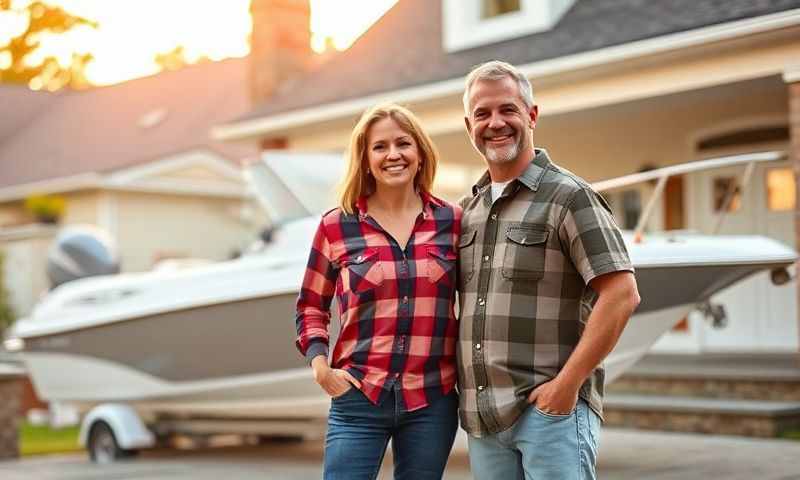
pixel 624 455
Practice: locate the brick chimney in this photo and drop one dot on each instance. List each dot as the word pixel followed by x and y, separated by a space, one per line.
pixel 280 44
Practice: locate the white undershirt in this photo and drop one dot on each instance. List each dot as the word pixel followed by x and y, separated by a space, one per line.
pixel 497 189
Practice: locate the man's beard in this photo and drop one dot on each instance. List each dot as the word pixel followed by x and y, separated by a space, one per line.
pixel 504 154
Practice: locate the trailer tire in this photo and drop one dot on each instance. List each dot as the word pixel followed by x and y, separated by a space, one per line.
pixel 103 445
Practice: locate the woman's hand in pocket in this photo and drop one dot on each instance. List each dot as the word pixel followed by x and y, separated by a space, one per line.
pixel 334 381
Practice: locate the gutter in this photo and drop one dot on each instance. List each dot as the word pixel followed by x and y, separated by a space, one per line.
pixel 94 181
pixel 246 129
pixel 58 185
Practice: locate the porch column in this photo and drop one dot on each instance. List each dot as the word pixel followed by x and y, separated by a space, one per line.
pixel 792 78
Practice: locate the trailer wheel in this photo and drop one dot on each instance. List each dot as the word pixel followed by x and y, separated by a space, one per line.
pixel 103 446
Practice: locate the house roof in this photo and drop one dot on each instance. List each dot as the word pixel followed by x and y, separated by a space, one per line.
pixel 26 105
pixel 118 126
pixel 404 48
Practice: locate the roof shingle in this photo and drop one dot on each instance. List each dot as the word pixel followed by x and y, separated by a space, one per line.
pixel 26 105
pixel 99 130
pixel 404 48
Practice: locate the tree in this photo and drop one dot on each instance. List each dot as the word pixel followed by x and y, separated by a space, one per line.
pixel 175 59
pixel 6 314
pixel 42 19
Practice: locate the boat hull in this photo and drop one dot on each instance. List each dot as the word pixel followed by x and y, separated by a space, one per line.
pixel 221 350
pixel 237 359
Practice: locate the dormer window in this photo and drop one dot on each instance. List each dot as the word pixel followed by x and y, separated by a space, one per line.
pixel 494 8
pixel 474 23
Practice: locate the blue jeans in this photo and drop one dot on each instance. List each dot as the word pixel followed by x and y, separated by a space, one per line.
pixel 540 446
pixel 358 432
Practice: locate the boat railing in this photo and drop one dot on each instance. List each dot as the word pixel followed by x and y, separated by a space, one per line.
pixel 661 175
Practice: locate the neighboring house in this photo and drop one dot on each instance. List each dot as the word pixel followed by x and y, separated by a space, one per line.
pixel 622 86
pixel 134 159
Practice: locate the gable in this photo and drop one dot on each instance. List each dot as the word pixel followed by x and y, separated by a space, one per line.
pixel 200 174
pixel 198 171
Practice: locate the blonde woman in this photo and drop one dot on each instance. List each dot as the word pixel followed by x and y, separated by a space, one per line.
pixel 388 255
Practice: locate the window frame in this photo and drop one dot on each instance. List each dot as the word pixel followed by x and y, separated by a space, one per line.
pixel 484 8
pixel 464 26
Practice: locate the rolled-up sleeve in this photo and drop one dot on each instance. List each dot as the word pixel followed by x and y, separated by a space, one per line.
pixel 314 301
pixel 591 236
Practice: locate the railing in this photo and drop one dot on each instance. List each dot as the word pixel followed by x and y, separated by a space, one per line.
pixel 663 174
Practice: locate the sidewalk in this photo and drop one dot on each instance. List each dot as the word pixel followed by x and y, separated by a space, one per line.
pixel 625 455
pixel 636 454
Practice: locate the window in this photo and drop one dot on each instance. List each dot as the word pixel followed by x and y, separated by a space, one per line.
pixel 674 211
pixel 781 194
pixel 494 8
pixel 631 208
pixel 627 207
pixel 474 23
pixel 721 188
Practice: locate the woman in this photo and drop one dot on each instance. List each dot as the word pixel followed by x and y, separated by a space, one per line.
pixel 388 255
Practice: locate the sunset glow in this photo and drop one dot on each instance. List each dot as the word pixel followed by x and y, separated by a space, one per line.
pixel 343 21
pixel 132 32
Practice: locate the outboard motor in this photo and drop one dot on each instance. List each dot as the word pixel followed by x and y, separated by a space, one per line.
pixel 81 251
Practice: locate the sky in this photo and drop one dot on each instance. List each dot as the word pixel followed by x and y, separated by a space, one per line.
pixel 132 32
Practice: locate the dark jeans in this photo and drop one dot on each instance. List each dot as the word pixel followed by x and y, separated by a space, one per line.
pixel 358 432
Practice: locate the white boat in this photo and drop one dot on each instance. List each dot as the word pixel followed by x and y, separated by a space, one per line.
pixel 215 343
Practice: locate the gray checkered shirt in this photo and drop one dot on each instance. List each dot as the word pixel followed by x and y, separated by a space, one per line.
pixel 524 265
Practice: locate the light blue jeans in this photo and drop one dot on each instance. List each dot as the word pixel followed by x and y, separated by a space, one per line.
pixel 540 447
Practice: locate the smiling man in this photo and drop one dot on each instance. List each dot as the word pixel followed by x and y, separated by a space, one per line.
pixel 546 287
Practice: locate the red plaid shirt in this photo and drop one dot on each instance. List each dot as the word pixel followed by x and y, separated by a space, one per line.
pixel 395 306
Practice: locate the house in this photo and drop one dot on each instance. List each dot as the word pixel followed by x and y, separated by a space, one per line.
pixel 134 159
pixel 622 86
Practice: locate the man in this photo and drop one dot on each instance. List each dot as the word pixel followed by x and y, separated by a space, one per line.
pixel 546 287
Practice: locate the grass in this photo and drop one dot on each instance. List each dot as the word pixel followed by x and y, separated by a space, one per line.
pixel 791 435
pixel 40 440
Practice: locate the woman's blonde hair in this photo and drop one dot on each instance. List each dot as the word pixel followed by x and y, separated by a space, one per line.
pixel 356 182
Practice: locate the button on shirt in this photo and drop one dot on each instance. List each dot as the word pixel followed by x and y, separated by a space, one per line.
pixel 525 262
pixel 396 306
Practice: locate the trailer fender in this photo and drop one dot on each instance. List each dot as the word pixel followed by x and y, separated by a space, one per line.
pixel 129 430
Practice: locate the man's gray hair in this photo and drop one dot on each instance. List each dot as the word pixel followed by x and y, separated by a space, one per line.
pixel 497 70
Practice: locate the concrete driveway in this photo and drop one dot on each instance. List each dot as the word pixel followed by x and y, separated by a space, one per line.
pixel 625 455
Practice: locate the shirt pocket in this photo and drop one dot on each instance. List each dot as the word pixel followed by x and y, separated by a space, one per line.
pixel 363 271
pixel 441 265
pixel 524 257
pixel 466 257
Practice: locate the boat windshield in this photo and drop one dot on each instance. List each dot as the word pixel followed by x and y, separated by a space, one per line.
pixel 295 185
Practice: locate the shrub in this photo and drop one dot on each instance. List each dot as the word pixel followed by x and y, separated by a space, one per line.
pixel 6 313
pixel 46 208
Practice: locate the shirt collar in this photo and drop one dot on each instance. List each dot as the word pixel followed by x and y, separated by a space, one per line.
pixel 531 177
pixel 429 202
